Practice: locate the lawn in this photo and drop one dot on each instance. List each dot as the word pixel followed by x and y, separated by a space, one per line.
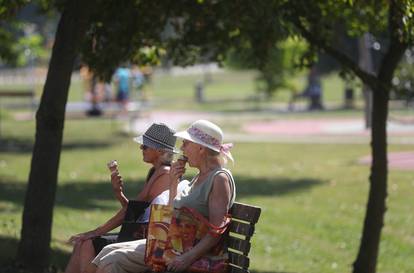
pixel 313 196
pixel 228 89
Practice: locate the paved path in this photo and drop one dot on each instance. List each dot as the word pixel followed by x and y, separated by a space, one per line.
pixel 329 130
pixel 396 160
pixel 318 130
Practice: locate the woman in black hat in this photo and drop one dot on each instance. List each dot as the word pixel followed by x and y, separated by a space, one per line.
pixel 211 193
pixel 158 147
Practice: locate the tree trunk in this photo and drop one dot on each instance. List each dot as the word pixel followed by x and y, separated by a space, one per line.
pixel 34 246
pixel 374 217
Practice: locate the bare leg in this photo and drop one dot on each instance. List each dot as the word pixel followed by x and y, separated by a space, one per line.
pixel 90 268
pixel 87 253
pixel 105 269
pixel 74 263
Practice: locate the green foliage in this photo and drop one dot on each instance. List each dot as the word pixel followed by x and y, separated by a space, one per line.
pixel 29 47
pixel 124 31
pixel 281 63
pixel 403 81
pixel 8 29
pixel 9 8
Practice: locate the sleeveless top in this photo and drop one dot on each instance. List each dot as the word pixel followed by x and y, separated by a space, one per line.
pixel 196 196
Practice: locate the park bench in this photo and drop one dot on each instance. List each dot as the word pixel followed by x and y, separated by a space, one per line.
pixel 241 230
pixel 237 240
pixel 17 94
pixel 29 94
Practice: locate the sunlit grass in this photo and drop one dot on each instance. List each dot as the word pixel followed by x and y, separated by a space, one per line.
pixel 313 196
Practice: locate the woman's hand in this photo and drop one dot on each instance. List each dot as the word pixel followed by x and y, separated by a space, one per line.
pixel 177 170
pixel 116 181
pixel 78 238
pixel 180 263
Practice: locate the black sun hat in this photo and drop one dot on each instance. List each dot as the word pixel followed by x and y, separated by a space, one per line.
pixel 158 136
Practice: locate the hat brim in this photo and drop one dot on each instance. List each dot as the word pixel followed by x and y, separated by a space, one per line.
pixel 185 135
pixel 154 145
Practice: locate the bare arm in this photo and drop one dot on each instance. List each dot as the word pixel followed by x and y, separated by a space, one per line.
pixel 154 187
pixel 176 172
pixel 109 225
pixel 219 200
pixel 117 188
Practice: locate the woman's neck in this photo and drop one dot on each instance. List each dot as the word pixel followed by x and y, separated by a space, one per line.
pixel 208 167
pixel 157 165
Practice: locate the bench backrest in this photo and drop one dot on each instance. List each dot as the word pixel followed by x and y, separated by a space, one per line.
pixel 241 230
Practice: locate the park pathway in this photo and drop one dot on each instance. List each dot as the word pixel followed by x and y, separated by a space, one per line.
pixel 310 130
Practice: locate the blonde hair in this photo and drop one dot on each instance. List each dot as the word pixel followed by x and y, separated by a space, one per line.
pixel 217 156
pixel 166 157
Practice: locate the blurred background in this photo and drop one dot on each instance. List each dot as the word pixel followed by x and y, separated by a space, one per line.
pixel 301 135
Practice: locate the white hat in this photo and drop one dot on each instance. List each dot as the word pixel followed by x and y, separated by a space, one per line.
pixel 207 134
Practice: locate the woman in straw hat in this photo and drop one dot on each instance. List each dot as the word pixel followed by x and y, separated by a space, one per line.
pixel 157 147
pixel 211 192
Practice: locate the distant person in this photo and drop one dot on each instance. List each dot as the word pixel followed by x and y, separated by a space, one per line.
pixel 147 73
pixel 86 76
pixel 138 80
pixel 157 147
pixel 314 91
pixel 91 89
pixel 122 81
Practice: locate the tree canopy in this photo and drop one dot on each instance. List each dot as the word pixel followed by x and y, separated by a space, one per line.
pixel 108 32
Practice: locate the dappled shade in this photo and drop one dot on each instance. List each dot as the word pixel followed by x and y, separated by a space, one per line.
pixel 92 195
pixel 248 186
pixel 59 257
pixel 25 146
pixel 8 253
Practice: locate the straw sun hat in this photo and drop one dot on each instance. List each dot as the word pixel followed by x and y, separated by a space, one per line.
pixel 207 134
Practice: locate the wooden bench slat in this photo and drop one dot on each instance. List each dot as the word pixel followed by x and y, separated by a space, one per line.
pixel 239 260
pixel 14 93
pixel 235 269
pixel 239 245
pixel 242 228
pixel 245 212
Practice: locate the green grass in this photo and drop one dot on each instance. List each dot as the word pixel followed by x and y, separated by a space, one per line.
pixel 313 197
pixel 229 91
pixel 232 91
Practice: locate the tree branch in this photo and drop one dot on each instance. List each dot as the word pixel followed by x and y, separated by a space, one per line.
pixel 368 78
pixel 397 44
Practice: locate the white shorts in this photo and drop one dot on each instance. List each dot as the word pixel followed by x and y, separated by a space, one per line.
pixel 126 257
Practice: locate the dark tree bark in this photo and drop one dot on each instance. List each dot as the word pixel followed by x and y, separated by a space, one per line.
pixel 374 217
pixel 366 260
pixel 34 246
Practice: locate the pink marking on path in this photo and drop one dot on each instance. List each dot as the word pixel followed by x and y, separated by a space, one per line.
pixel 301 127
pixel 397 160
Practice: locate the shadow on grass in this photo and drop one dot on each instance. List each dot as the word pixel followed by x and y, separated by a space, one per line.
pixel 24 146
pixel 257 107
pixel 8 251
pixel 84 195
pixel 59 258
pixel 15 145
pixel 247 186
pixel 77 195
